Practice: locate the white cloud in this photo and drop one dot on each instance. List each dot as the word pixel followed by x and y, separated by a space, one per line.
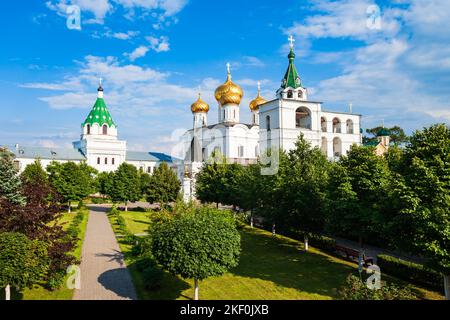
pixel 138 53
pixel 99 8
pixel 160 44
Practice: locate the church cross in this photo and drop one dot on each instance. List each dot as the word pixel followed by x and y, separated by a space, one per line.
pixel 259 87
pixel 229 68
pixel 291 41
pixel 100 81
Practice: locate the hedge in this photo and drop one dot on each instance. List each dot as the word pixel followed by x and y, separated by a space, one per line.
pixel 409 271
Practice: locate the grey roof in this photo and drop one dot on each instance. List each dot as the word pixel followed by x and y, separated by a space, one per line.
pixel 140 156
pixel 22 152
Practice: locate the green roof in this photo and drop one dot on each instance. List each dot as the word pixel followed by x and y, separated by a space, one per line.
pixel 383 132
pixel 371 144
pixel 291 78
pixel 99 114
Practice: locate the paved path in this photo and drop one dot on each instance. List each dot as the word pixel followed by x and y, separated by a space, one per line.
pixel 104 275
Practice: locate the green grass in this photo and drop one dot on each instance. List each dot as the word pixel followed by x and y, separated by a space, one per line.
pixel 38 292
pixel 269 268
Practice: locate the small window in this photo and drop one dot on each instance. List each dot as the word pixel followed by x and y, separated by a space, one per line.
pixel 113 161
pixel 268 123
pixel 149 169
pixel 98 160
pixel 106 160
pixel 105 129
pixel 300 94
pixel 290 94
pixel 88 129
pixel 241 151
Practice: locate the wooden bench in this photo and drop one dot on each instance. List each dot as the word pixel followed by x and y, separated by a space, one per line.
pixel 353 254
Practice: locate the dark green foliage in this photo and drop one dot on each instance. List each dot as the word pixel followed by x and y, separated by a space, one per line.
pixel 197 243
pixel 152 277
pixel 10 184
pixel 23 262
pixel 145 262
pixel 409 271
pixel 356 289
pixel 126 184
pixel 397 135
pixel 163 186
pixel 104 183
pixel 142 247
pixel 72 181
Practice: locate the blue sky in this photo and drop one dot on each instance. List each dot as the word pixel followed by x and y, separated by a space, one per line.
pixel 155 55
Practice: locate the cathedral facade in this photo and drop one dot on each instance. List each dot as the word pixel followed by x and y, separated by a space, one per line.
pixel 99 146
pixel 275 124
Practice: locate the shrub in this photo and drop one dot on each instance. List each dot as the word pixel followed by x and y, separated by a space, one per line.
pixel 356 289
pixel 142 247
pixel 409 271
pixel 152 277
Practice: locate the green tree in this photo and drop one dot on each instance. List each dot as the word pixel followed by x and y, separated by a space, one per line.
pixel 72 181
pixel 197 243
pixel 210 181
pixel 105 181
pixel 10 184
pixel 163 186
pixel 34 173
pixel 358 185
pixel 305 185
pixel 424 197
pixel 397 135
pixel 126 185
pixel 23 262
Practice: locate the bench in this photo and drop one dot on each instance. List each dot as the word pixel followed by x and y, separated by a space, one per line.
pixel 353 254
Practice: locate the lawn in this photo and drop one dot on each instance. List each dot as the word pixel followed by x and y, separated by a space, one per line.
pixel 40 293
pixel 269 268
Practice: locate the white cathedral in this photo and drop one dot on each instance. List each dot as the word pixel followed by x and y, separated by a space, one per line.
pixel 275 124
pixel 99 146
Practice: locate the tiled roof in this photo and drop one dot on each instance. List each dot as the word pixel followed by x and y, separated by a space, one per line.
pixel 22 152
pixel 140 156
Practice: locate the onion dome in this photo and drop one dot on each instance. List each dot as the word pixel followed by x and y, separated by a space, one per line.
pixel 291 78
pixel 255 103
pixel 199 105
pixel 383 132
pixel 229 92
pixel 99 113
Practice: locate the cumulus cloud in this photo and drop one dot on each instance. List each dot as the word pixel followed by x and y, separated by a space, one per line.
pixel 395 73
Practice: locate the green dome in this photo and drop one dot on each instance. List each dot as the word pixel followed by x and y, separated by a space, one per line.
pixel 383 132
pixel 99 115
pixel 291 78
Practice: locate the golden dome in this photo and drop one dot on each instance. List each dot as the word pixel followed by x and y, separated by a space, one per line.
pixel 255 103
pixel 199 105
pixel 229 92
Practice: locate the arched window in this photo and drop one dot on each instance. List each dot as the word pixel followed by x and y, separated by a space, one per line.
pixel 268 123
pixel 336 125
pixel 300 94
pixel 240 151
pixel 303 118
pixel 323 124
pixel 350 126
pixel 290 94
pixel 98 160
pixel 337 147
pixel 88 129
pixel 105 129
pixel 234 113
pixel 324 146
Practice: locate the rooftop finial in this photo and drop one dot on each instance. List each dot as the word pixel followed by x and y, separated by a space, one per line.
pixel 100 88
pixel 350 106
pixel 259 88
pixel 382 123
pixel 291 41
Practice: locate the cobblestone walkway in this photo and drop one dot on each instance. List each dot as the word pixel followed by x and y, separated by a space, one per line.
pixel 104 275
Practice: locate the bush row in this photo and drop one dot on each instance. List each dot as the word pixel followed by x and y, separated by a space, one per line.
pixel 409 271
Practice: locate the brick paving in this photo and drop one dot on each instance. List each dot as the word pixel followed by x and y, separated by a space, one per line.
pixel 104 275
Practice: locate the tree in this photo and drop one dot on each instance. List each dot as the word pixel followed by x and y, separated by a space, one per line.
pixel 72 181
pixel 358 185
pixel 210 181
pixel 163 186
pixel 397 135
pixel 23 262
pixel 10 184
pixel 37 220
pixel 305 185
pixel 197 243
pixel 105 181
pixel 126 184
pixel 424 197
